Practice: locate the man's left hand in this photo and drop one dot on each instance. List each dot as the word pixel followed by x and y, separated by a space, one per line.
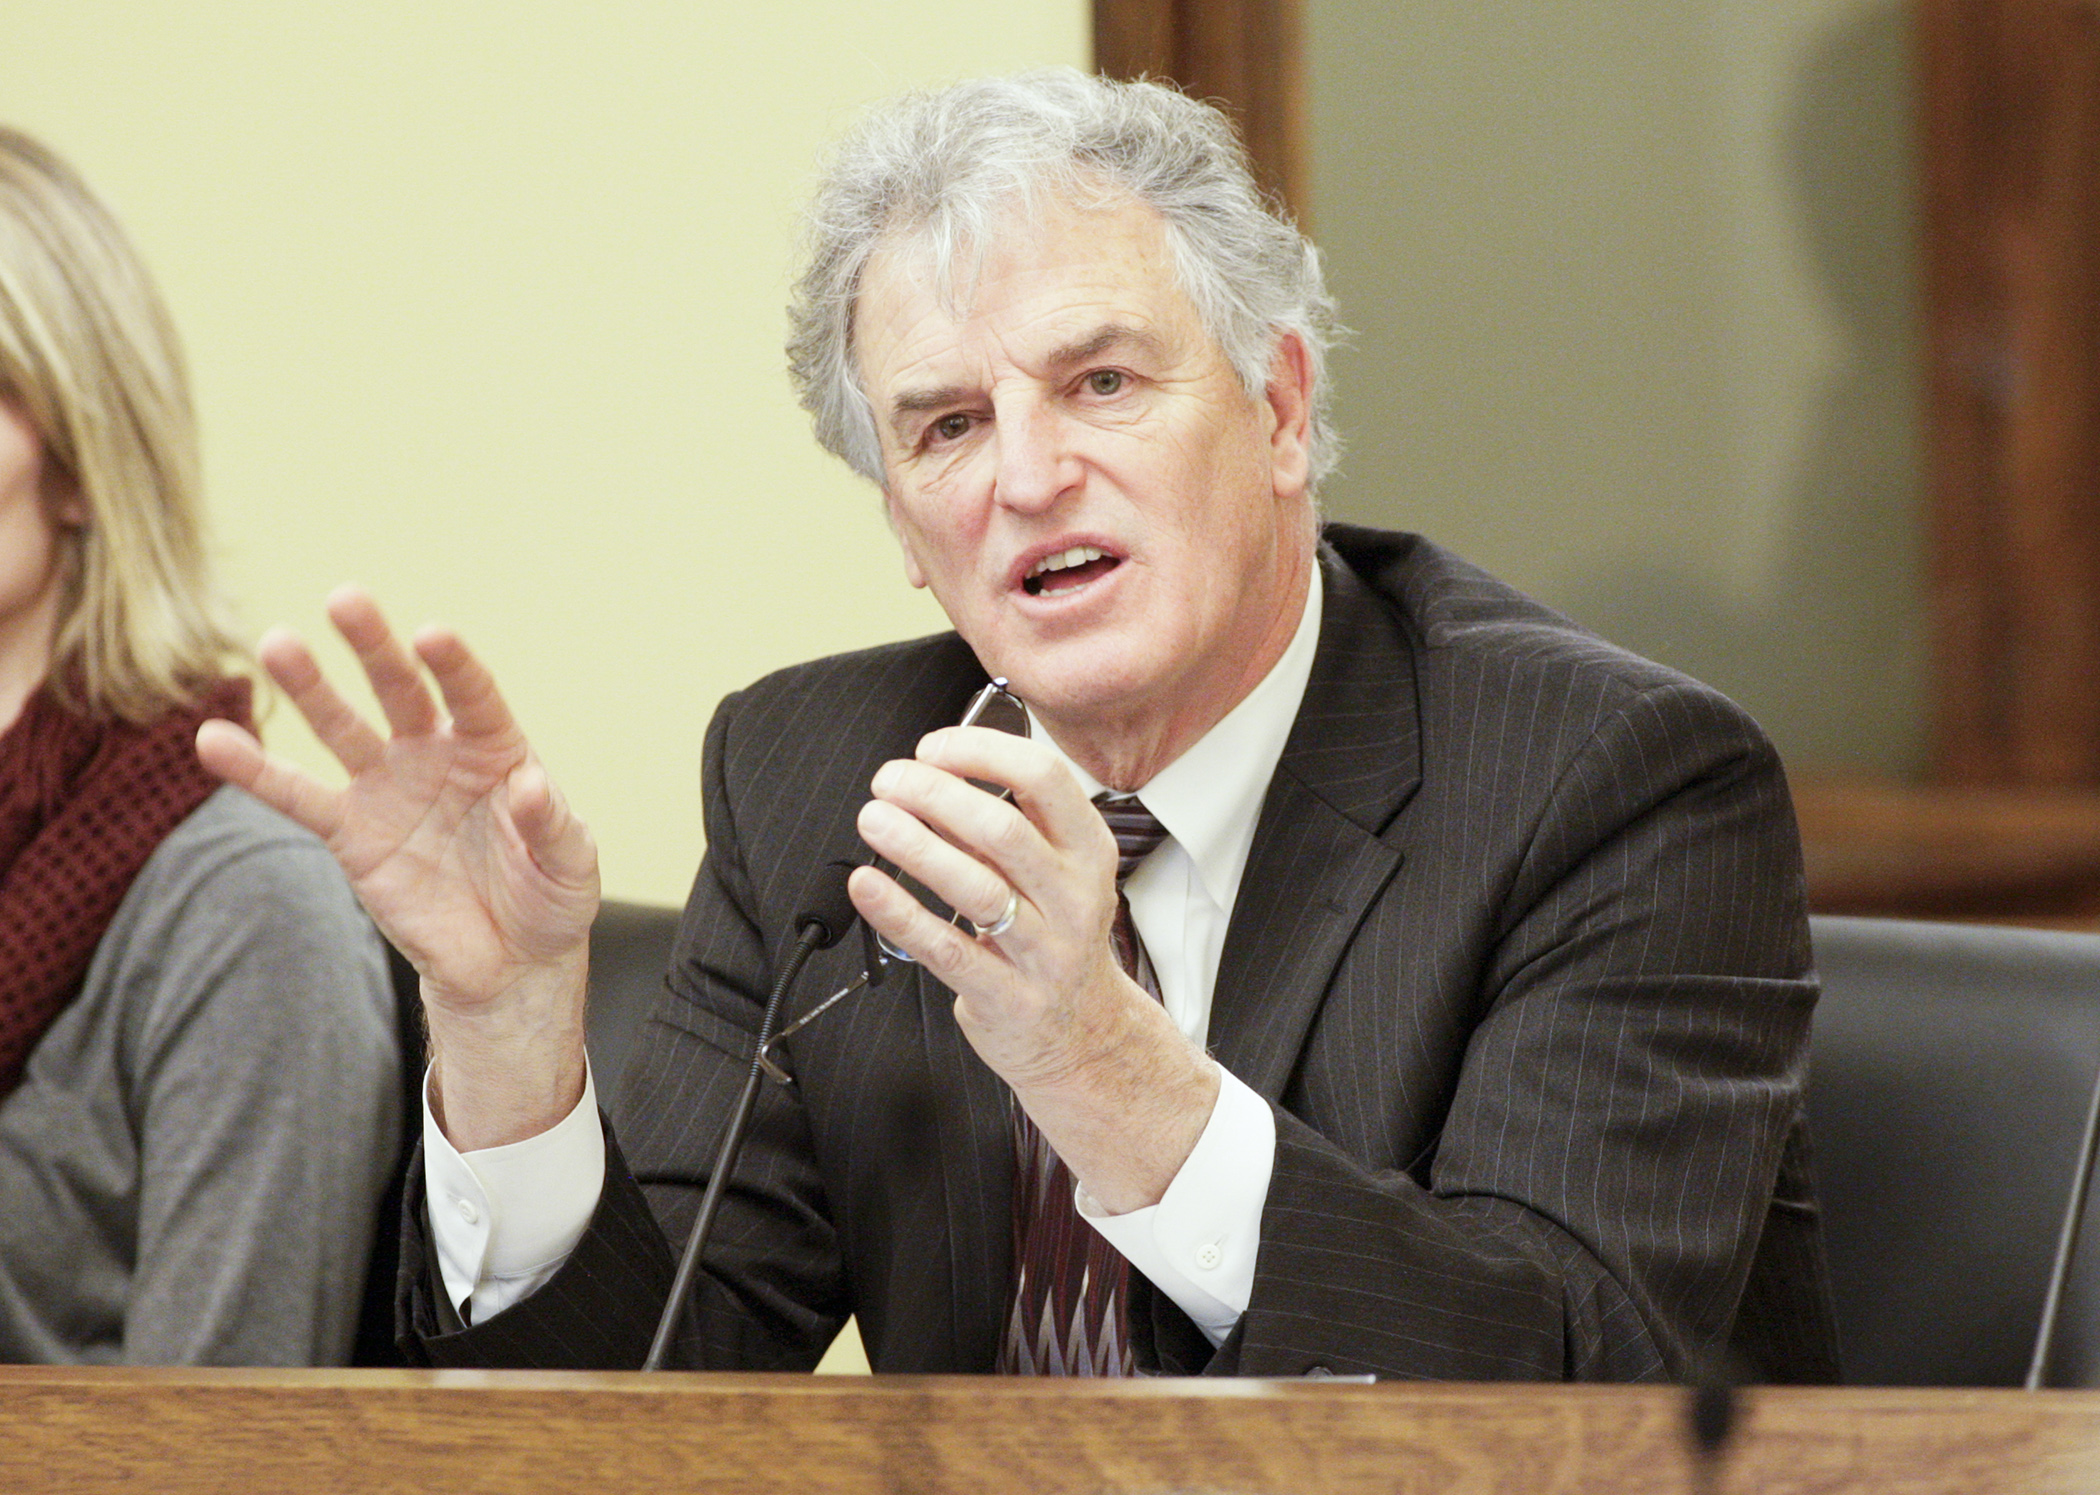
pixel 1096 1062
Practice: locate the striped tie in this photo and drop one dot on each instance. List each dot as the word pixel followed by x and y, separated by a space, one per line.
pixel 1070 1311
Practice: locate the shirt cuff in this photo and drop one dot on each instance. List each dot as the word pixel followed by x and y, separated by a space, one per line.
pixel 505 1218
pixel 1198 1244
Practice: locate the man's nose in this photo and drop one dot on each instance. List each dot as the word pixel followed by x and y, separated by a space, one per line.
pixel 1037 464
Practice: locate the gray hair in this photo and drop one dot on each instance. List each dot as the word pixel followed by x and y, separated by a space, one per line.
pixel 946 165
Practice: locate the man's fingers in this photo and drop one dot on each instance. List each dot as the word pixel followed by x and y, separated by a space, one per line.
pixel 341 730
pixel 945 951
pixel 964 883
pixel 1043 788
pixel 234 755
pixel 470 695
pixel 560 843
pixel 477 706
pixel 396 682
pixel 229 751
pixel 992 830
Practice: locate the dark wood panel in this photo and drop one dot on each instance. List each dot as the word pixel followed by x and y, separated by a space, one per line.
pixel 2007 856
pixel 2008 828
pixel 1134 38
pixel 1247 55
pixel 2011 122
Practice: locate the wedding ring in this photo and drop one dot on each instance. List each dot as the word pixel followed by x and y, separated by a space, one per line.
pixel 1004 922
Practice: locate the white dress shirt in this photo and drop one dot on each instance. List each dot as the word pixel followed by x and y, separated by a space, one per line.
pixel 505 1218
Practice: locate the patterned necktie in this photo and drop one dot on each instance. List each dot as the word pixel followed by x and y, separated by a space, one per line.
pixel 1070 1309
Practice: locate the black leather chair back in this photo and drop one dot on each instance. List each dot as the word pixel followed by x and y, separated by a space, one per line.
pixel 630 952
pixel 1951 1073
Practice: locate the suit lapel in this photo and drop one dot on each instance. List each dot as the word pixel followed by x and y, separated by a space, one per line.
pixel 1319 859
pixel 975 1176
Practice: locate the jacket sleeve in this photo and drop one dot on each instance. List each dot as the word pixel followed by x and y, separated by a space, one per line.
pixel 1590 1201
pixel 771 1255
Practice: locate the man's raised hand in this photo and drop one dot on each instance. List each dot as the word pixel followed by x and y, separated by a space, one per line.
pixel 462 850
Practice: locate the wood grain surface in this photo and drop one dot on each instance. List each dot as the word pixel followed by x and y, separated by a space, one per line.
pixel 2009 122
pixel 1247 55
pixel 1919 851
pixel 459 1432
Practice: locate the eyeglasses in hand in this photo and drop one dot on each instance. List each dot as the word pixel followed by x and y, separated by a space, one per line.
pixel 995 707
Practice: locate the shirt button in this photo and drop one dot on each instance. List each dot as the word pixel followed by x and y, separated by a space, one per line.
pixel 1208 1257
pixel 467 1212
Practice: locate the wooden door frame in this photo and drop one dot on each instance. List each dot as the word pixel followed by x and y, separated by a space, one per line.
pixel 2011 116
pixel 1247 55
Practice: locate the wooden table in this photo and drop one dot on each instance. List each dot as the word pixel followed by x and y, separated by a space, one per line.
pixel 457 1432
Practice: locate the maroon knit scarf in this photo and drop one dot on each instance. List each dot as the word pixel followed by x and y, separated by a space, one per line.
pixel 82 805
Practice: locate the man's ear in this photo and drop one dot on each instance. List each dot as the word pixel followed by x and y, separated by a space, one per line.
pixel 1289 398
pixel 913 572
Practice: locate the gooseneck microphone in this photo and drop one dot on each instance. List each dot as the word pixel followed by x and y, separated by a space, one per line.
pixel 827 906
pixel 825 916
pixel 822 920
pixel 1711 1411
pixel 2066 1244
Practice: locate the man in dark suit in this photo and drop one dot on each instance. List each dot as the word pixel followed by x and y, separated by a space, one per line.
pixel 1443 1014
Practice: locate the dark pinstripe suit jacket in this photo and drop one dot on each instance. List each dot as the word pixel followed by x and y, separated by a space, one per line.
pixel 1519 957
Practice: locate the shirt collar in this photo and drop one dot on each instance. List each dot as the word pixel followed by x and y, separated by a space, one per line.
pixel 1209 797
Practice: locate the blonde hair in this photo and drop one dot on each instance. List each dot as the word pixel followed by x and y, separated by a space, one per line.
pixel 89 355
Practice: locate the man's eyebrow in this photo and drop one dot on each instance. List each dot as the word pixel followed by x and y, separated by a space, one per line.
pixel 916 401
pixel 1108 336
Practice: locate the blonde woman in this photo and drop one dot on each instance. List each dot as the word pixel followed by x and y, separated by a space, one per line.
pixel 198 1067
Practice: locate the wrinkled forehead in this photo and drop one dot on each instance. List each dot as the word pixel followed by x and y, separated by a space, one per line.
pixel 1035 286
pixel 946 252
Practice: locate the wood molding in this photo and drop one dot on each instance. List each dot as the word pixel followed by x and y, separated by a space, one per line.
pixel 1246 55
pixel 2007 856
pixel 2010 106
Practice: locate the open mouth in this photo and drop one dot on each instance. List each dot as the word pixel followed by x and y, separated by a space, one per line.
pixel 1068 571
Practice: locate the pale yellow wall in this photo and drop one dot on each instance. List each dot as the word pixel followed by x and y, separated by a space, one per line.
pixel 1635 290
pixel 484 304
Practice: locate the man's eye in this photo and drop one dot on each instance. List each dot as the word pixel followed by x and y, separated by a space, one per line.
pixel 951 428
pixel 1105 381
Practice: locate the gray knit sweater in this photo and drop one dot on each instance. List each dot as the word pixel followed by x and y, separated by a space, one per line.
pixel 190 1168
